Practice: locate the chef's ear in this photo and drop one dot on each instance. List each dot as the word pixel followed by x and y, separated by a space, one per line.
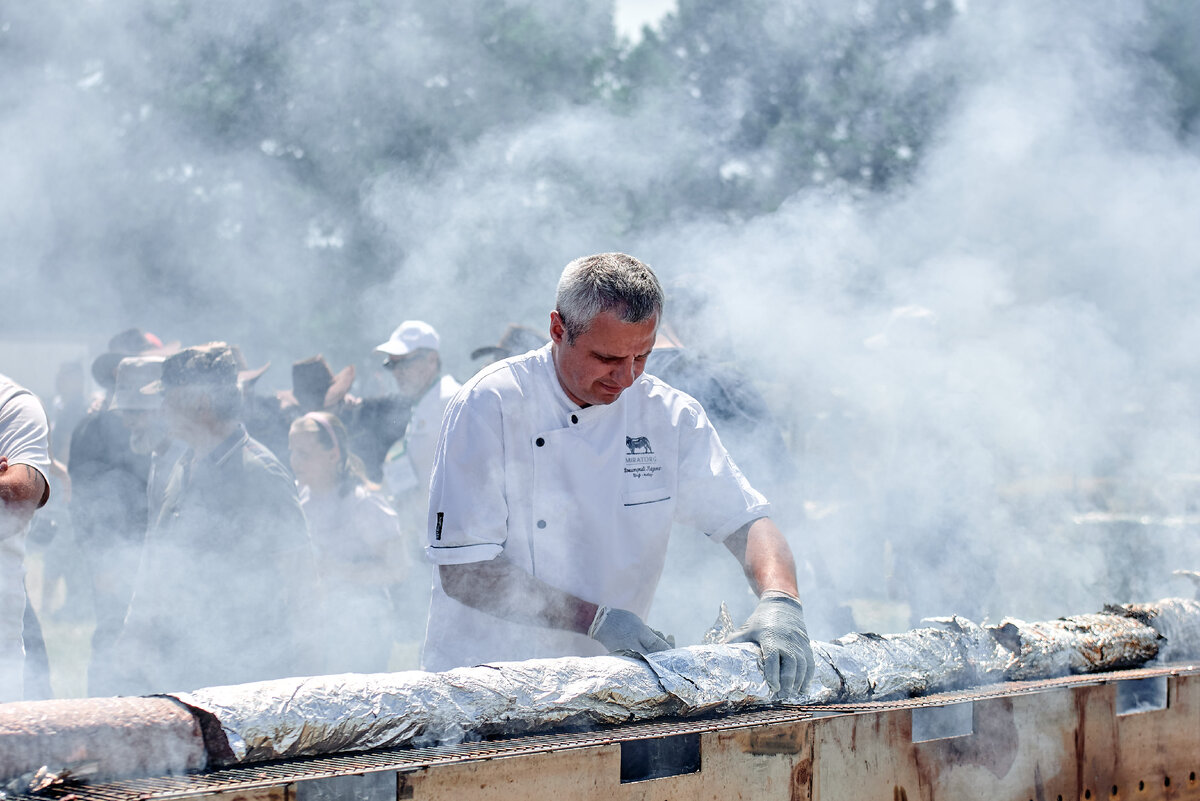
pixel 558 331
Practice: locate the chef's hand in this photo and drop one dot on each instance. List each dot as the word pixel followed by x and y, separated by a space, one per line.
pixel 777 626
pixel 619 630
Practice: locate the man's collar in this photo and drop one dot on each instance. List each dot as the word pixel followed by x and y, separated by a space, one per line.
pixel 226 448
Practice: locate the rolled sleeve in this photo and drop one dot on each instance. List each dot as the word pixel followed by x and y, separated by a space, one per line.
pixel 25 437
pixel 24 432
pixel 468 509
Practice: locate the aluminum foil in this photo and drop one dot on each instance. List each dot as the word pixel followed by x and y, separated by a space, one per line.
pixel 987 660
pixel 1078 644
pixel 1177 620
pixel 299 717
pixel 876 666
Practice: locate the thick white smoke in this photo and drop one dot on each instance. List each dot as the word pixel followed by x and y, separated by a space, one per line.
pixel 973 322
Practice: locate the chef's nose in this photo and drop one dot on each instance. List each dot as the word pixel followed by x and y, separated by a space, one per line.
pixel 625 372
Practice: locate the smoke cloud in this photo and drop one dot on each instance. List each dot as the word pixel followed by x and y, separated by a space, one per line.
pixel 953 244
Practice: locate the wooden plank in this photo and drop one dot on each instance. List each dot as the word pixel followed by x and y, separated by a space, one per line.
pixel 764 763
pixel 856 756
pixel 581 773
pixel 1021 747
pixel 1146 756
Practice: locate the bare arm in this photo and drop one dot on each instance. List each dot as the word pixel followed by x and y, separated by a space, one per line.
pixel 22 488
pixel 765 557
pixel 777 623
pixel 500 588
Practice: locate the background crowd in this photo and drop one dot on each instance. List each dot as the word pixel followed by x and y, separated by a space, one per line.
pixel 186 504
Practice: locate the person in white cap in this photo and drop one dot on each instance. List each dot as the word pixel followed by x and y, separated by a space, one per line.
pixel 411 354
pixel 558 477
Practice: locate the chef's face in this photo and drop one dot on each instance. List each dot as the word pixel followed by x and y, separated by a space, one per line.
pixel 602 361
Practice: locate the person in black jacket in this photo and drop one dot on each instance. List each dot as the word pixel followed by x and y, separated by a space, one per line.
pixel 108 504
pixel 227 591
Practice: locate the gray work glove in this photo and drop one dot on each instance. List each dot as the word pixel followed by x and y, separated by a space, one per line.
pixel 777 625
pixel 619 630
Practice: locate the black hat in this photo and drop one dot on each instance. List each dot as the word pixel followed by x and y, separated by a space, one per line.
pixel 130 342
pixel 315 386
pixel 213 364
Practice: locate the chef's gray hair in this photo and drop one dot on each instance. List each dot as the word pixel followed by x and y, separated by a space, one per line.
pixel 606 282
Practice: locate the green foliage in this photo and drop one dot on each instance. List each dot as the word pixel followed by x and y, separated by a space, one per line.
pixel 1175 46
pixel 804 94
pixel 179 138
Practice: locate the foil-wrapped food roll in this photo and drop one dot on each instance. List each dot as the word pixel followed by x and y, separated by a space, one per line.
pixel 355 712
pixel 326 714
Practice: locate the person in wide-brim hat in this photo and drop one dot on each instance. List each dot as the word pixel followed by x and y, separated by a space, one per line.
pixel 130 342
pixel 246 376
pixel 517 339
pixel 315 386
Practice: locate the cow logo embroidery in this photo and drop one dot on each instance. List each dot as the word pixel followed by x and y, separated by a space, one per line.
pixel 641 462
pixel 638 445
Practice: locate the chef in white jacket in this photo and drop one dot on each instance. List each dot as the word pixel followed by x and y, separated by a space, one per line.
pixel 557 478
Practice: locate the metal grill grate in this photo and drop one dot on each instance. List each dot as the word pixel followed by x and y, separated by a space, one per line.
pixel 1004 689
pixel 263 775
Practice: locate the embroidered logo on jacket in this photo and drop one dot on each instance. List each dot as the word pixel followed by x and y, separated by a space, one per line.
pixel 638 445
pixel 641 461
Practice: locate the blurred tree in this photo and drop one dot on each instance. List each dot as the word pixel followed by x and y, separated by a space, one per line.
pixel 1174 45
pixel 797 94
pixel 224 146
pixel 178 155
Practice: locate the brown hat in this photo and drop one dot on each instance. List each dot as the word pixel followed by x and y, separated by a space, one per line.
pixel 212 364
pixel 246 376
pixel 314 385
pixel 130 342
pixel 517 339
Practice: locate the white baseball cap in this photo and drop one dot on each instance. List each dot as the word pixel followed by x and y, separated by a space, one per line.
pixel 410 335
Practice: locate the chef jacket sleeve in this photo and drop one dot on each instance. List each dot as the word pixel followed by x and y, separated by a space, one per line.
pixel 468 510
pixel 714 496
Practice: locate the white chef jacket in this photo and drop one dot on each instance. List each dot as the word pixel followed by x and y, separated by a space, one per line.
pixel 24 439
pixel 582 498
